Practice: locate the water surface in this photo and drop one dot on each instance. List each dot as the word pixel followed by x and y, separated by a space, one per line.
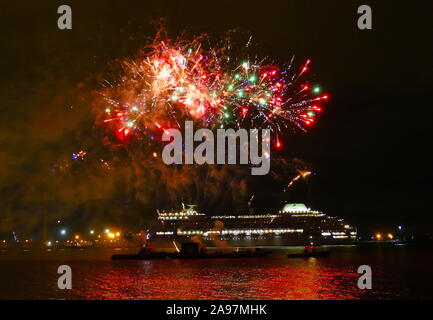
pixel 399 272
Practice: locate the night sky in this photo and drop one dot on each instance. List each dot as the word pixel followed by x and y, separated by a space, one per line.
pixel 370 150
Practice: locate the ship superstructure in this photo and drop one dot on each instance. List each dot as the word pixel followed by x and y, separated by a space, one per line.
pixel 294 224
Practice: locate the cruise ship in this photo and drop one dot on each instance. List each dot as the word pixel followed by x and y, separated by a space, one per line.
pixel 294 225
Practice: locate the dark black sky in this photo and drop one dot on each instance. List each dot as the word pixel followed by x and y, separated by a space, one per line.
pixel 370 150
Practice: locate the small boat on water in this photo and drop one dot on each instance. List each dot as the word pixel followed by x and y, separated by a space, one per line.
pixel 138 256
pixel 145 253
pixel 310 251
pixel 220 255
pixel 189 250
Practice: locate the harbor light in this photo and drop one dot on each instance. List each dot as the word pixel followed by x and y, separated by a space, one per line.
pixel 77 237
pixel 400 228
pixel 63 232
pixel 92 231
pixel 378 236
pixel 107 231
pixel 390 236
pixel 110 235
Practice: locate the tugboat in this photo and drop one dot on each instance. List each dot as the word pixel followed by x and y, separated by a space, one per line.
pixel 146 253
pixel 193 250
pixel 189 250
pixel 310 251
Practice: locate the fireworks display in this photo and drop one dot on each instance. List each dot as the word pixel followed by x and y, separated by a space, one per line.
pixel 217 86
pixel 180 80
pixel 302 174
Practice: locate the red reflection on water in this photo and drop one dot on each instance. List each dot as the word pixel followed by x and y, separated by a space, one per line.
pixel 399 272
pixel 218 279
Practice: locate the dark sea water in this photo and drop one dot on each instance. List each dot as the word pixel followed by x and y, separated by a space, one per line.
pixel 399 272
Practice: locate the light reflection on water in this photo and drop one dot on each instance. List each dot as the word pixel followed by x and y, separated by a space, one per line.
pixel 396 274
